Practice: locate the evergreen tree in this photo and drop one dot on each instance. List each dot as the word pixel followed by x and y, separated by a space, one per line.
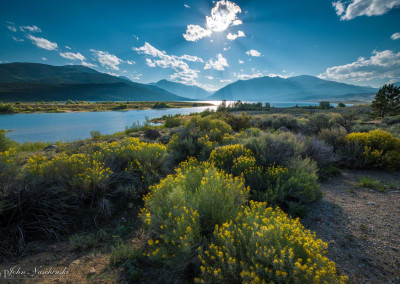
pixel 387 101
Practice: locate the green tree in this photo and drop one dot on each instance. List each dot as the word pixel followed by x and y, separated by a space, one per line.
pixel 387 101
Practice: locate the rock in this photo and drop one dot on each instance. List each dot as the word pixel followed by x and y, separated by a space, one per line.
pixel 92 270
pixel 283 129
pixel 371 203
pixel 130 205
pixel 152 134
pixel 51 148
pixel 76 262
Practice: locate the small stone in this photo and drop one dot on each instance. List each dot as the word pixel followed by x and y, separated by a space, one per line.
pixel 76 262
pixel 92 270
pixel 371 203
pixel 130 205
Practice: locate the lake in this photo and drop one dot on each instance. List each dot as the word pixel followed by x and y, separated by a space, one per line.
pixel 51 127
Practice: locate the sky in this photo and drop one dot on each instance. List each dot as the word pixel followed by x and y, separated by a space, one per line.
pixel 209 43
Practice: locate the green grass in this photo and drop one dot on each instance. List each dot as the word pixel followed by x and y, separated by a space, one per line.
pixel 369 182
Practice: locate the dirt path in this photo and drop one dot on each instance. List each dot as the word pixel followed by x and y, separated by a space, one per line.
pixel 362 227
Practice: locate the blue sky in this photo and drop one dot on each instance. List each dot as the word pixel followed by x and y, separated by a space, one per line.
pixel 209 43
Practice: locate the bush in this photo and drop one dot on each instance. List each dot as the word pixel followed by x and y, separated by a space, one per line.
pixel 316 149
pixel 263 245
pixel 274 148
pixel 9 171
pixel 160 105
pixel 335 137
pixel 233 159
pixel 390 120
pixel 238 122
pixel 96 135
pixel 275 121
pixel 5 143
pixel 198 138
pixel 319 121
pixel 172 121
pixel 381 149
pixel 292 189
pixel 184 208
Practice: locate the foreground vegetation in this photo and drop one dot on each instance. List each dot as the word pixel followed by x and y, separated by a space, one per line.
pixel 83 106
pixel 220 193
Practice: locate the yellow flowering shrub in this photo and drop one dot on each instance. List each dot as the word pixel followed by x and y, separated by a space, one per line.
pixel 263 245
pixel 233 159
pixel 199 136
pixel 78 171
pixel 381 149
pixel 134 156
pixel 185 207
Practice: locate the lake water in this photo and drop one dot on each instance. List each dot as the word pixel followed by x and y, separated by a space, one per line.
pixel 51 127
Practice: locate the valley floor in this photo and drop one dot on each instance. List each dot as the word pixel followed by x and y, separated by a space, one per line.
pixel 361 225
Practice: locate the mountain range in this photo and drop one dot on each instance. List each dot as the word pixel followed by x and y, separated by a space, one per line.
pixel 34 82
pixel 299 88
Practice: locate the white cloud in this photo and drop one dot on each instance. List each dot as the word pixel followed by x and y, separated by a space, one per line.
pixel 67 47
pixel 395 36
pixel 43 43
pixel 225 81
pixel 12 28
pixel 218 64
pixel 235 36
pixel 32 29
pixel 237 22
pixel 196 32
pixel 222 16
pixel 86 64
pixel 17 39
pixel 253 52
pixel 130 62
pixel 210 77
pixel 44 58
pixel 72 56
pixel 241 61
pixel 248 76
pixel 382 65
pixel 191 58
pixel 186 5
pixel 106 59
pixel 355 8
pixel 183 73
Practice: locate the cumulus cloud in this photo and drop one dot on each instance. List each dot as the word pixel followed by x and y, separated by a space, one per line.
pixel 43 43
pixel 67 47
pixel 183 73
pixel 225 80
pixel 395 36
pixel 355 8
pixel 218 64
pixel 196 32
pixel 235 36
pixel 73 56
pixel 241 61
pixel 31 29
pixel 130 62
pixel 381 65
pixel 186 5
pixel 106 59
pixel 44 58
pixel 191 58
pixel 210 77
pixel 253 52
pixel 222 16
